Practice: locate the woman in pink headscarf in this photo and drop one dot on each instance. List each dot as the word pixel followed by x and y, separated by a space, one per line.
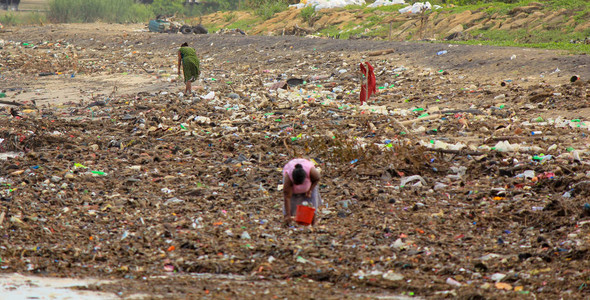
pixel 300 184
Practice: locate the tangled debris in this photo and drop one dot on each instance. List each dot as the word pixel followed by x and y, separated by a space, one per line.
pixel 443 186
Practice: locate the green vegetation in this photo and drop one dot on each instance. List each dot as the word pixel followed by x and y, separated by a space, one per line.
pixel 582 16
pixel 523 36
pixel 571 4
pixel 474 2
pixel 8 19
pixel 566 46
pixel 35 18
pixel 244 23
pixel 229 17
pixel 388 8
pixel 351 29
pixel 167 7
pixel 353 7
pixel 307 14
pixel 119 11
pixel 22 18
pixel 266 9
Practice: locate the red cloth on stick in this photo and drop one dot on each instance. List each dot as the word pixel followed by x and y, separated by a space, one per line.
pixel 371 86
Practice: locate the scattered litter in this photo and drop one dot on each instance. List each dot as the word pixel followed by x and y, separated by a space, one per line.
pixel 418 7
pixel 440 179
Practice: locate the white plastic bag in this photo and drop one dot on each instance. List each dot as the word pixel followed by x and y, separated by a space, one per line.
pixel 386 3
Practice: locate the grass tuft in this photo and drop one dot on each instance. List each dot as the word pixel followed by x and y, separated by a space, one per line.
pixel 307 13
pixel 266 9
pixel 117 11
pixel 8 19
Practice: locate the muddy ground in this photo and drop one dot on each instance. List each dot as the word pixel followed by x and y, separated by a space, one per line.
pixel 176 196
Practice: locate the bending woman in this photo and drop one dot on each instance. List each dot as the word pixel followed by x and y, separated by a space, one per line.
pixel 300 184
pixel 187 57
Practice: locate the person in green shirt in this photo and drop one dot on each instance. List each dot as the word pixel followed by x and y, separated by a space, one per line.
pixel 187 57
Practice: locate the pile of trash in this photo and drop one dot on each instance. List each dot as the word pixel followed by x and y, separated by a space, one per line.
pixel 154 183
pixel 386 3
pixel 325 4
pixel 418 7
pixel 167 26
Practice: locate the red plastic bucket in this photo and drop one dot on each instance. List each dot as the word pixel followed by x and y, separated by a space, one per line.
pixel 304 214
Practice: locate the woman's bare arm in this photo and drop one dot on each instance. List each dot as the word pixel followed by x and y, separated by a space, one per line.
pixel 314 177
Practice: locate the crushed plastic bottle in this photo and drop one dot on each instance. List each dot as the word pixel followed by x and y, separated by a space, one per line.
pixel 414 178
pixel 209 96
pixel 528 174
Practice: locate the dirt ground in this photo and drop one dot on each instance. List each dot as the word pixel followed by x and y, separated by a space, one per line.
pixel 178 197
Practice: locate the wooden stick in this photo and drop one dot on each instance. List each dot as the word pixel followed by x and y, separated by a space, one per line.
pixel 470 111
pixel 431 117
pixel 390 31
pixel 449 151
pixel 437 115
pixel 402 126
pixel 10 103
pixel 518 137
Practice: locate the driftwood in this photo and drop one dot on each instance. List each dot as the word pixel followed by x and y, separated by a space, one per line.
pixel 456 111
pixel 444 112
pixel 147 71
pixel 10 103
pixel 461 152
pixel 518 137
pixel 506 138
pixel 431 117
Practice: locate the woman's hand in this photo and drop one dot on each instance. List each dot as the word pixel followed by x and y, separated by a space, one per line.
pixel 308 194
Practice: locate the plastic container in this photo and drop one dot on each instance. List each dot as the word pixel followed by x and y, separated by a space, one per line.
pixel 304 215
pixel 158 25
